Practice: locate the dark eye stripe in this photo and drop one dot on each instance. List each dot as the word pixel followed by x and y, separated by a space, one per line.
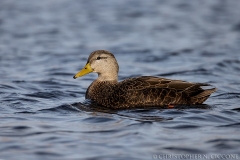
pixel 98 58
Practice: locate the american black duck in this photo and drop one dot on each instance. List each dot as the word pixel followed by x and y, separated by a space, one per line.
pixel 139 91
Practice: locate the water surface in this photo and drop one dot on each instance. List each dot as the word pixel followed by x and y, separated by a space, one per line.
pixel 43 112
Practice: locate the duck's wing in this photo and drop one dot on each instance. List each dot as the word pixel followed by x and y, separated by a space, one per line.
pixel 155 90
pixel 144 82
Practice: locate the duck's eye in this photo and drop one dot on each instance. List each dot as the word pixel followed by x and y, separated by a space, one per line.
pixel 98 58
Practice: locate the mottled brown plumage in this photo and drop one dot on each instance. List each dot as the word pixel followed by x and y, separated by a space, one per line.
pixel 137 92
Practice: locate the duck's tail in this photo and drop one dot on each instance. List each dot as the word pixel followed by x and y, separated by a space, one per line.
pixel 203 96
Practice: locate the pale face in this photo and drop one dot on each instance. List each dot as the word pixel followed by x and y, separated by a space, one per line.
pixel 101 62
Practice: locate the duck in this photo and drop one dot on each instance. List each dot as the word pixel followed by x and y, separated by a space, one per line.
pixel 143 91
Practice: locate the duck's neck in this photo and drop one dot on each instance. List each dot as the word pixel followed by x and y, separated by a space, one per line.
pixel 107 77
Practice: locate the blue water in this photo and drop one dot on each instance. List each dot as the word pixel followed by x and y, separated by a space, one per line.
pixel 43 112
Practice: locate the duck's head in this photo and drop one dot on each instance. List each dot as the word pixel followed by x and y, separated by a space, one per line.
pixel 102 62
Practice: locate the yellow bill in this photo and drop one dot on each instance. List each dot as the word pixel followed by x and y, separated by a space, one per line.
pixel 87 69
